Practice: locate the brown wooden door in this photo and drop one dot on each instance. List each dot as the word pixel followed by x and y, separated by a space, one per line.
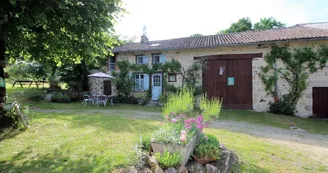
pixel 236 94
pixel 107 87
pixel 320 101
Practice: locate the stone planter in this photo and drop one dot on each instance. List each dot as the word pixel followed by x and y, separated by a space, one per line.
pixel 185 151
pixel 203 161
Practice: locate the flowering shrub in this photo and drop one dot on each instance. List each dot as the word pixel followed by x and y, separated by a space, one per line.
pixel 179 129
pixel 211 107
pixel 181 102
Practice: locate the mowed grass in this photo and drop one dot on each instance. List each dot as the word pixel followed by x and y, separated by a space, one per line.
pixel 79 142
pixel 72 143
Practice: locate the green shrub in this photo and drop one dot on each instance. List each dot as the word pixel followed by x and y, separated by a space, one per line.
pixel 284 106
pixel 211 108
pixel 125 99
pixel 146 143
pixel 60 98
pixel 208 148
pixel 180 102
pixel 168 160
pixel 37 98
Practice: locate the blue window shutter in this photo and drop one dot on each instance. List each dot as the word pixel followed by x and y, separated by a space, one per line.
pixel 146 81
pixel 145 59
pixel 162 58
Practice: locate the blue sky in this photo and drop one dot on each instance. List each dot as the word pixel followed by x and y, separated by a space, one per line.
pixel 167 19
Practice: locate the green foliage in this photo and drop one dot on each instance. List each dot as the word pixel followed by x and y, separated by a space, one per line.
pixel 168 160
pixel 243 24
pixel 75 75
pixel 123 81
pixel 138 158
pixel 50 31
pixel 27 70
pixel 208 148
pixel 192 75
pixel 196 35
pixel 130 99
pixel 162 98
pixel 60 98
pixel 211 108
pixel 180 102
pixel 37 97
pixel 146 143
pixel 167 134
pixel 298 64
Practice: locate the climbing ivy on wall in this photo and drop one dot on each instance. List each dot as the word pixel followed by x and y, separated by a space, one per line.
pixel 298 64
pixel 191 76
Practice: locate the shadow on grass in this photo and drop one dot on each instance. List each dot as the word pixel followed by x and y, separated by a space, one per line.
pixel 55 161
pixel 10 132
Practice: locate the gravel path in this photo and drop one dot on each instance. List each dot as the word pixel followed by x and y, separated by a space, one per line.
pixel 314 145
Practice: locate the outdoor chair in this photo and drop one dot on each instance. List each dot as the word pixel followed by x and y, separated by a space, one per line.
pixel 87 99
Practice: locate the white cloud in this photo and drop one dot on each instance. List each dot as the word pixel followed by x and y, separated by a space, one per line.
pixel 180 18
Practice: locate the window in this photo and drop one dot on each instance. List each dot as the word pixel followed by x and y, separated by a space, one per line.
pixel 157 81
pixel 112 63
pixel 140 59
pixel 156 59
pixel 172 77
pixel 139 82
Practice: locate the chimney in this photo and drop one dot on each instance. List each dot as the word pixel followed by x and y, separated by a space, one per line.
pixel 144 39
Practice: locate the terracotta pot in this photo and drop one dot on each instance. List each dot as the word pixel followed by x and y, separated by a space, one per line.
pixel 203 161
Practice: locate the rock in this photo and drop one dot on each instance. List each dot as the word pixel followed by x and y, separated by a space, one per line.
pixel 171 170
pixel 152 162
pixel 130 169
pixel 158 170
pixel 211 169
pixel 182 169
pixel 227 160
pixel 145 170
pixel 194 167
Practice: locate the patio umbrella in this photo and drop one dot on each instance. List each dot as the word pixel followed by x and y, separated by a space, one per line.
pixel 100 75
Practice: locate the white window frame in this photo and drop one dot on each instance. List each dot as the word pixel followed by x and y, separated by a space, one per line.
pixel 154 57
pixel 139 83
pixel 139 56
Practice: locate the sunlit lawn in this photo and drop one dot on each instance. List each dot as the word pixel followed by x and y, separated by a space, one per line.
pixel 78 141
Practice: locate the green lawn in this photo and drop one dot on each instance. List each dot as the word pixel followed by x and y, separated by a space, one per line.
pixel 80 141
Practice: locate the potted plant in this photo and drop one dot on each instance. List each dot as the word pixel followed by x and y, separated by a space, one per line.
pixel 207 150
pixel 161 99
pixel 178 135
pixel 141 101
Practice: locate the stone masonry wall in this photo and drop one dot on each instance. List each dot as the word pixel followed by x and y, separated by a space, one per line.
pixel 96 86
pixel 260 97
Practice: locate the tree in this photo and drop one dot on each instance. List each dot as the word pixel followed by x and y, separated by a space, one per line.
pixel 57 31
pixel 196 35
pixel 243 24
pixel 268 23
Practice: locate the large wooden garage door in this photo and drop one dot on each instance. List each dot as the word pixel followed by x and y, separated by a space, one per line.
pixel 320 101
pixel 233 83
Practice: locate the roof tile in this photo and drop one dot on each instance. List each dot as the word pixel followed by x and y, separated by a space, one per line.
pixel 298 32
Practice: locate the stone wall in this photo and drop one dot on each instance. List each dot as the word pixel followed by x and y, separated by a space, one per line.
pixel 260 97
pixel 96 86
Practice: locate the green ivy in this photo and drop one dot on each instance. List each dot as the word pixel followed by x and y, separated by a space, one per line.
pixel 299 63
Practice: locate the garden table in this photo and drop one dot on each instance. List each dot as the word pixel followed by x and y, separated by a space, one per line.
pixel 102 99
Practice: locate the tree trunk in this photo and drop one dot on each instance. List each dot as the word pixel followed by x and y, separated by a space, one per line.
pixel 2 74
pixel 5 121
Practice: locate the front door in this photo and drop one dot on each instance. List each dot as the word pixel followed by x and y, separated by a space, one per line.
pixel 156 86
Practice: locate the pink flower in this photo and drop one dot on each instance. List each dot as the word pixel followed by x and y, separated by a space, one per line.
pixel 183 135
pixel 172 113
pixel 205 125
pixel 174 120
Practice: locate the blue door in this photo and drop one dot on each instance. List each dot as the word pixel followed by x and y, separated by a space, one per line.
pixel 156 86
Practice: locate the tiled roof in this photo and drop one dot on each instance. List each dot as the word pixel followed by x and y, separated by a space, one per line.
pixel 297 32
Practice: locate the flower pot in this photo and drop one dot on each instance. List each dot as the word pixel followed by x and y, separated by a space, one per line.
pixel 203 161
pixel 185 151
